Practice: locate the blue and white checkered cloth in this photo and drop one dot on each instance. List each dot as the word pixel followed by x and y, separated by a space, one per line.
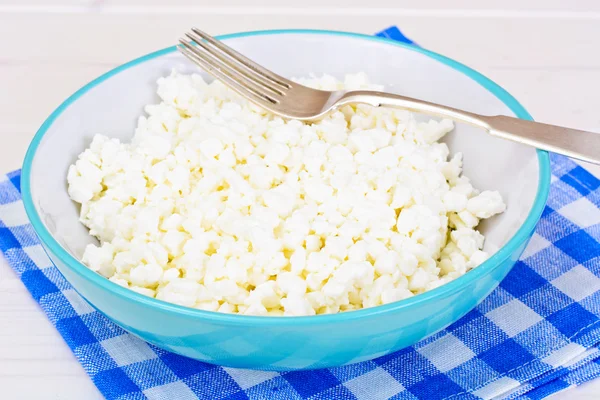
pixel 536 334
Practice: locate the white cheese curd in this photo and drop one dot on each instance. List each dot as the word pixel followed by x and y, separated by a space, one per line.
pixel 218 205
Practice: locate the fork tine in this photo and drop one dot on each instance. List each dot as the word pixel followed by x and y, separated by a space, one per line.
pixel 244 88
pixel 271 76
pixel 246 91
pixel 216 53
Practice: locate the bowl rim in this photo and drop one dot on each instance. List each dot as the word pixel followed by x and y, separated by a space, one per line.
pixel 521 236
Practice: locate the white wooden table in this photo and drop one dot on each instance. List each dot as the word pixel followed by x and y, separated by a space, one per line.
pixel 545 52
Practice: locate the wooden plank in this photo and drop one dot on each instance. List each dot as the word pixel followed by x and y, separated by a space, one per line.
pixel 46 384
pixel 475 41
pixel 317 6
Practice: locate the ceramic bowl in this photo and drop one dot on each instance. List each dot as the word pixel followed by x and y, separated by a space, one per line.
pixel 111 105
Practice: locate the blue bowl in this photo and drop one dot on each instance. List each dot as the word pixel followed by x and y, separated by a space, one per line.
pixel 110 105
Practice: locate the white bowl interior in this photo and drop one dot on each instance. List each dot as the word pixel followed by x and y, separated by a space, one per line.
pixel 113 106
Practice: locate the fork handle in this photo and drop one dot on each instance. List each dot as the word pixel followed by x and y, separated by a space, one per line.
pixel 573 143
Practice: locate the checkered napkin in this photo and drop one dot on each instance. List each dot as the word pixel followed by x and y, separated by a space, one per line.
pixel 534 335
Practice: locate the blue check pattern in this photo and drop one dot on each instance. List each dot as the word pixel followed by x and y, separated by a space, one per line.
pixel 535 335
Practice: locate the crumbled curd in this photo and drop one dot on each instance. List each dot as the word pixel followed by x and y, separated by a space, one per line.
pixel 218 205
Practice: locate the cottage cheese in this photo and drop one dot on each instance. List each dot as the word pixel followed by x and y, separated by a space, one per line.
pixel 218 205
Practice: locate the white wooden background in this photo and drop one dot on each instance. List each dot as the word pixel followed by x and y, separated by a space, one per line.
pixel 545 52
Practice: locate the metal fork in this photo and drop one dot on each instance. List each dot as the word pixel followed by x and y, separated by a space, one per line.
pixel 292 100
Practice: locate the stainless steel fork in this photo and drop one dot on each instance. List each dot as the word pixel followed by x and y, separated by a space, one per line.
pixel 292 100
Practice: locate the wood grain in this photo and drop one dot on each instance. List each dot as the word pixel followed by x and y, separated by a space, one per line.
pixel 545 53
